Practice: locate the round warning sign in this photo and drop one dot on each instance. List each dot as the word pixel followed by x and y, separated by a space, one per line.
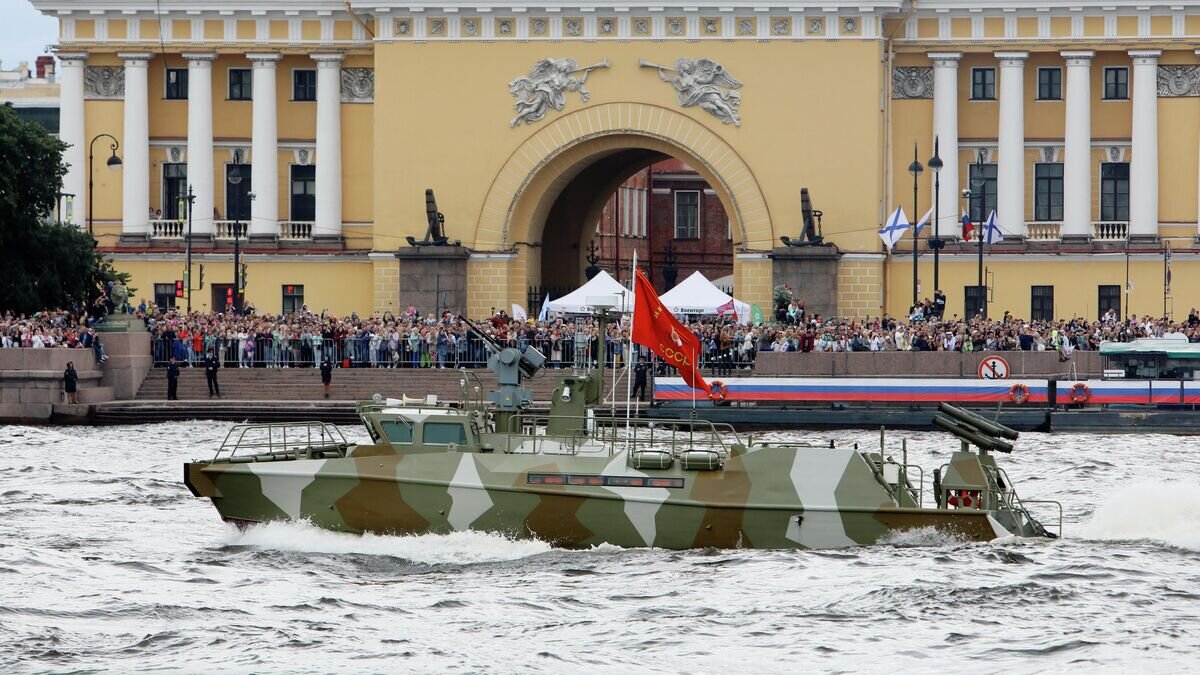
pixel 993 368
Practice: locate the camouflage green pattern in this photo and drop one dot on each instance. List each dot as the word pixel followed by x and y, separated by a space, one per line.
pixel 760 496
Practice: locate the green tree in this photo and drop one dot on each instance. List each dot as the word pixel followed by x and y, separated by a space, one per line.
pixel 43 264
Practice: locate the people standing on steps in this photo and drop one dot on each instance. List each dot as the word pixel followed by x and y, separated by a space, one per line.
pixel 173 380
pixel 326 374
pixel 71 383
pixel 211 364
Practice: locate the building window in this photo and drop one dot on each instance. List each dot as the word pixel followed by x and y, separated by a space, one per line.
pixel 293 298
pixel 687 214
pixel 1049 84
pixel 983 191
pixel 974 296
pixel 1116 84
pixel 1041 303
pixel 237 197
pixel 304 191
pixel 983 84
pixel 1114 191
pixel 177 84
pixel 304 85
pixel 174 191
pixel 1048 192
pixel 239 84
pixel 164 296
pixel 1109 298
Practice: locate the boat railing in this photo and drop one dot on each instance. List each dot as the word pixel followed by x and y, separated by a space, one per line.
pixel 280 441
pixel 1013 501
pixel 599 435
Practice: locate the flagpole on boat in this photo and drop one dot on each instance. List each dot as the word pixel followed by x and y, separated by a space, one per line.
pixel 629 361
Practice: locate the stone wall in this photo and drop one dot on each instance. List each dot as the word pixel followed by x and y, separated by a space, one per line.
pixel 923 364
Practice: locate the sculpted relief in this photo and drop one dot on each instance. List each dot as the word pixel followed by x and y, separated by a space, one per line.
pixel 703 83
pixel 545 87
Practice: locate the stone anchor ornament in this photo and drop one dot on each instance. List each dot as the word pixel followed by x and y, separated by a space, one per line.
pixel 545 85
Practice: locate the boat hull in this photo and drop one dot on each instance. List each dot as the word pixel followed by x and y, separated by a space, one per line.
pixel 763 498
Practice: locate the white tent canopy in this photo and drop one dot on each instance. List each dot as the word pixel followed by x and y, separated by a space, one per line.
pixel 579 301
pixel 698 295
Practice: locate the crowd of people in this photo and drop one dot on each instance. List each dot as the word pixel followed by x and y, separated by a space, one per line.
pixel 49 329
pixel 415 340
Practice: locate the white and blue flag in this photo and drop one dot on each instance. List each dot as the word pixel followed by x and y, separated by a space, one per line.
pixel 542 315
pixel 991 231
pixel 896 226
pixel 922 222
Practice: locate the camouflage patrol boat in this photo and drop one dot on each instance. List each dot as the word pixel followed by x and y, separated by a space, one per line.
pixel 575 480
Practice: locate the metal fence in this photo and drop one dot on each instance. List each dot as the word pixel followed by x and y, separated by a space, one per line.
pixel 469 351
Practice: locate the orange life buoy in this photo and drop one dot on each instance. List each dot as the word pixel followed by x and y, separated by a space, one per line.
pixel 717 391
pixel 1019 393
pixel 1080 393
pixel 965 499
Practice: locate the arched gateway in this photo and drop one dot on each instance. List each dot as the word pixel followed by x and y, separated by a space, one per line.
pixel 570 166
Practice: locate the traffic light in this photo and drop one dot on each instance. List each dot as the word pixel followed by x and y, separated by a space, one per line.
pixel 243 279
pixel 229 298
pixel 179 288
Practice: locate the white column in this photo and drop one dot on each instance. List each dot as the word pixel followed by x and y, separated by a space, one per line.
pixel 1077 174
pixel 264 170
pixel 329 146
pixel 945 129
pixel 1010 174
pixel 1143 170
pixel 71 131
pixel 200 141
pixel 135 186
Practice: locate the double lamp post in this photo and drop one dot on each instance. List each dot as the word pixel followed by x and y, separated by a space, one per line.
pixel 936 242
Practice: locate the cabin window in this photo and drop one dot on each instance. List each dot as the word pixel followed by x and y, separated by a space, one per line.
pixel 443 433
pixel 397 432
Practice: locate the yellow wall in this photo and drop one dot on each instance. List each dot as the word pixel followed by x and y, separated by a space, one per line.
pixel 334 286
pixel 1075 282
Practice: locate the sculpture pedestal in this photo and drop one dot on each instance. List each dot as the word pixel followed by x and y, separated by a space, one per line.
pixel 433 278
pixel 812 273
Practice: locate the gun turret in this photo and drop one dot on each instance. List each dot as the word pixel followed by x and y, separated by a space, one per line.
pixel 510 365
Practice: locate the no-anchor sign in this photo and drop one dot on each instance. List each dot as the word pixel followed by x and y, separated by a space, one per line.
pixel 993 368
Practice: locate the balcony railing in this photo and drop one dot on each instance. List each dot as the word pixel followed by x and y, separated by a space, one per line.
pixel 1043 231
pixel 167 229
pixel 1110 230
pixel 295 230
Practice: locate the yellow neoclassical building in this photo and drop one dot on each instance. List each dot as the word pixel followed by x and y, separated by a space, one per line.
pixel 319 124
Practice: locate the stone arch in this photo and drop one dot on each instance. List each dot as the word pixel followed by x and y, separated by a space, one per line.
pixel 547 161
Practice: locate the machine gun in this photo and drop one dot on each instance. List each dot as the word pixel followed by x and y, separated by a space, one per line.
pixel 973 429
pixel 510 365
pixel 812 234
pixel 436 234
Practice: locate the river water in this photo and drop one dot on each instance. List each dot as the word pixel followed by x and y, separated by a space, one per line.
pixel 108 563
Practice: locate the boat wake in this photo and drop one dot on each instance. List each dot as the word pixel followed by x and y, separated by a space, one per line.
pixel 455 548
pixel 921 536
pixel 1162 511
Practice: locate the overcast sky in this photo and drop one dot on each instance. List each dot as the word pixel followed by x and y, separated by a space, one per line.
pixel 24 33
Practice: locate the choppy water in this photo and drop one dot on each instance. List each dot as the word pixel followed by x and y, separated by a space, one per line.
pixel 108 563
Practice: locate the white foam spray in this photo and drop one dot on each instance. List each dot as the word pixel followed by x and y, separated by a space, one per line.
pixel 1166 511
pixel 456 548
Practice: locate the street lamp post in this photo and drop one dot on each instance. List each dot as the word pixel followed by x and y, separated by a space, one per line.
pixel 936 164
pixel 977 183
pixel 235 179
pixel 187 273
pixel 915 169
pixel 113 163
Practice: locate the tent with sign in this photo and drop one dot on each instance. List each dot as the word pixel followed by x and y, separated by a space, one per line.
pixel 697 295
pixel 579 301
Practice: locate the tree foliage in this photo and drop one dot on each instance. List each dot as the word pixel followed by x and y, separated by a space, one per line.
pixel 43 264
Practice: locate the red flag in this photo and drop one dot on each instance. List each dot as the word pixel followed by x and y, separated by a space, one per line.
pixel 656 328
pixel 728 307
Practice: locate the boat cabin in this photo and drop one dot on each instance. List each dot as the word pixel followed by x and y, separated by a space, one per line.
pixel 1166 358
